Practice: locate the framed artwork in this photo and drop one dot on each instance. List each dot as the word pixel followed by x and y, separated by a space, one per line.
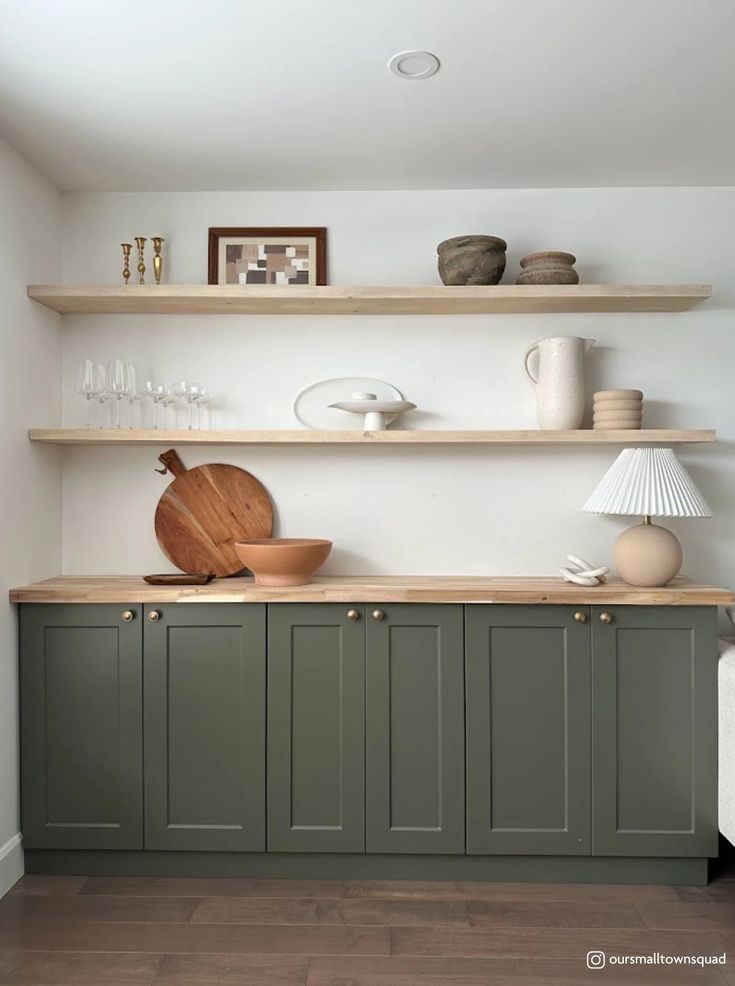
pixel 278 255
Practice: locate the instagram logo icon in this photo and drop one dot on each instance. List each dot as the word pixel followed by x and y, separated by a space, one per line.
pixel 595 960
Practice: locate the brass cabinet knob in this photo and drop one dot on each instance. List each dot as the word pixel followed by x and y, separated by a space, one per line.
pixel 154 616
pixel 580 616
pixel 353 615
pixel 128 616
pixel 606 617
pixel 378 614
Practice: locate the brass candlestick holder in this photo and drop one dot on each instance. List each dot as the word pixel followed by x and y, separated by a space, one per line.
pixel 126 248
pixel 140 243
pixel 158 242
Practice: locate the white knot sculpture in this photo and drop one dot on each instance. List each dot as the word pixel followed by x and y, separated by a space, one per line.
pixel 581 572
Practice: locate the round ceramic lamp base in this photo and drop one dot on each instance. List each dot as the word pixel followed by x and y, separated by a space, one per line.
pixel 647 555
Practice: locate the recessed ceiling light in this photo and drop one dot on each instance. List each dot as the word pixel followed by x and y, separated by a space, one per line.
pixel 414 64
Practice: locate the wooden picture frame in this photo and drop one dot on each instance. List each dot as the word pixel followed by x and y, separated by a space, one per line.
pixel 262 236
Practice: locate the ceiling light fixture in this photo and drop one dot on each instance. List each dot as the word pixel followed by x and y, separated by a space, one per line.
pixel 414 64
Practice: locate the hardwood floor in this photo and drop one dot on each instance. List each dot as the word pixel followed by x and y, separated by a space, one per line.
pixel 77 931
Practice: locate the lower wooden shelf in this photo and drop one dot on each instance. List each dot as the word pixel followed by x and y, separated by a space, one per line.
pixel 128 436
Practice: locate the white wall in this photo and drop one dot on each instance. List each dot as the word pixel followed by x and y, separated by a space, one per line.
pixel 415 510
pixel 30 478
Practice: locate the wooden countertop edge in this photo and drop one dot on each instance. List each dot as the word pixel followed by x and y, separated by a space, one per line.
pixel 383 589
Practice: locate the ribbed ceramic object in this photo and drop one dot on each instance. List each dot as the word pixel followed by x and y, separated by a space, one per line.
pixel 614 395
pixel 618 422
pixel 608 415
pixel 620 405
pixel 548 267
pixel 647 482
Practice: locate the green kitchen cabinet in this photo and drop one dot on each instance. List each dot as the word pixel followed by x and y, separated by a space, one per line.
pixel 316 727
pixel 654 730
pixel 81 728
pixel 205 726
pixel 414 729
pixel 397 729
pixel 528 729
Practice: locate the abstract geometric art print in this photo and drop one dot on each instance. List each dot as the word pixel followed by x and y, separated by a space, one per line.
pixel 275 256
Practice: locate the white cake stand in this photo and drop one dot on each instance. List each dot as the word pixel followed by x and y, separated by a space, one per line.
pixel 375 411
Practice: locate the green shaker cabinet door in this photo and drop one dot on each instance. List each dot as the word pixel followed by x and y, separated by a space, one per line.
pixel 528 730
pixel 654 727
pixel 205 727
pixel 415 729
pixel 81 708
pixel 316 728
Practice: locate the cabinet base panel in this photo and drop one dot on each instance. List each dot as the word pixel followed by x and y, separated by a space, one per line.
pixel 690 871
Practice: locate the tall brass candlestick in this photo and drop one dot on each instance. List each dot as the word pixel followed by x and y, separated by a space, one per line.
pixel 140 243
pixel 126 248
pixel 158 242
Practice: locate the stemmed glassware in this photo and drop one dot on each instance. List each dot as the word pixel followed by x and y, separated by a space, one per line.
pixel 169 399
pixel 187 391
pixel 203 398
pixel 157 393
pixel 100 386
pixel 85 384
pixel 118 381
pixel 117 385
pixel 134 394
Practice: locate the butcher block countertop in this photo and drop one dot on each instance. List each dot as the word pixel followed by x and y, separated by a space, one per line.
pixel 372 589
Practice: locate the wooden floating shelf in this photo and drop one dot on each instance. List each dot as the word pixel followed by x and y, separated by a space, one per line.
pixel 126 436
pixel 206 299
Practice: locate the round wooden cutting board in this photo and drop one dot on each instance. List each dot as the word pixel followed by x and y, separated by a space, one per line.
pixel 205 510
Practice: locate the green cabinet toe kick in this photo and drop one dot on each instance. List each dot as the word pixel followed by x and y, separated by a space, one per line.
pixel 684 871
pixel 423 739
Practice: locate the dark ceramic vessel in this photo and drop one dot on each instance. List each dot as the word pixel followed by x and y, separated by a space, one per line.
pixel 472 259
pixel 550 267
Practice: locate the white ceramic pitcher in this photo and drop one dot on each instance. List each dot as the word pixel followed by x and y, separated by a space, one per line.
pixel 560 382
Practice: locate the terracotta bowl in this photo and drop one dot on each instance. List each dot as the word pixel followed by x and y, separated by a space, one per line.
pixel 283 561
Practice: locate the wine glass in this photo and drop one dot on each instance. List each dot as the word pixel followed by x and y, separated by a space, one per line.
pixel 186 390
pixel 117 385
pixel 157 393
pixel 169 398
pixel 202 398
pixel 133 393
pixel 84 384
pixel 100 386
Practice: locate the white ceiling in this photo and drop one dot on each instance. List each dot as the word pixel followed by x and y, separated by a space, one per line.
pixel 259 94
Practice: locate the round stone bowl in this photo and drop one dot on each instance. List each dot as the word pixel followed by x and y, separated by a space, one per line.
pixel 283 561
pixel 471 259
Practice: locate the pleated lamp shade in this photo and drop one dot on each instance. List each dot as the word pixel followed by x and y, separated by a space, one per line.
pixel 647 482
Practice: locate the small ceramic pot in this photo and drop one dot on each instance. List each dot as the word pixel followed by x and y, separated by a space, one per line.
pixel 472 259
pixel 548 268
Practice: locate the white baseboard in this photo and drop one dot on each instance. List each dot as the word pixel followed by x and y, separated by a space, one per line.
pixel 11 863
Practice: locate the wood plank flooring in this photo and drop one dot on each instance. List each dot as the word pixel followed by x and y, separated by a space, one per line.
pixel 140 931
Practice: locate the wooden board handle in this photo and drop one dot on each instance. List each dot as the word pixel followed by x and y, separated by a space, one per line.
pixel 172 463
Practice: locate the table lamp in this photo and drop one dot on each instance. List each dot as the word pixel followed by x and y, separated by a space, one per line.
pixel 649 482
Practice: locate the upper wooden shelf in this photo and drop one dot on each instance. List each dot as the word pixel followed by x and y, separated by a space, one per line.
pixel 206 299
pixel 128 436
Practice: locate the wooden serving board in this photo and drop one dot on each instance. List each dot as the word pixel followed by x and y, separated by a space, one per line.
pixel 205 510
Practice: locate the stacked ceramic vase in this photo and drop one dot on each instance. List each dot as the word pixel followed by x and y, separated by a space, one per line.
pixel 618 410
